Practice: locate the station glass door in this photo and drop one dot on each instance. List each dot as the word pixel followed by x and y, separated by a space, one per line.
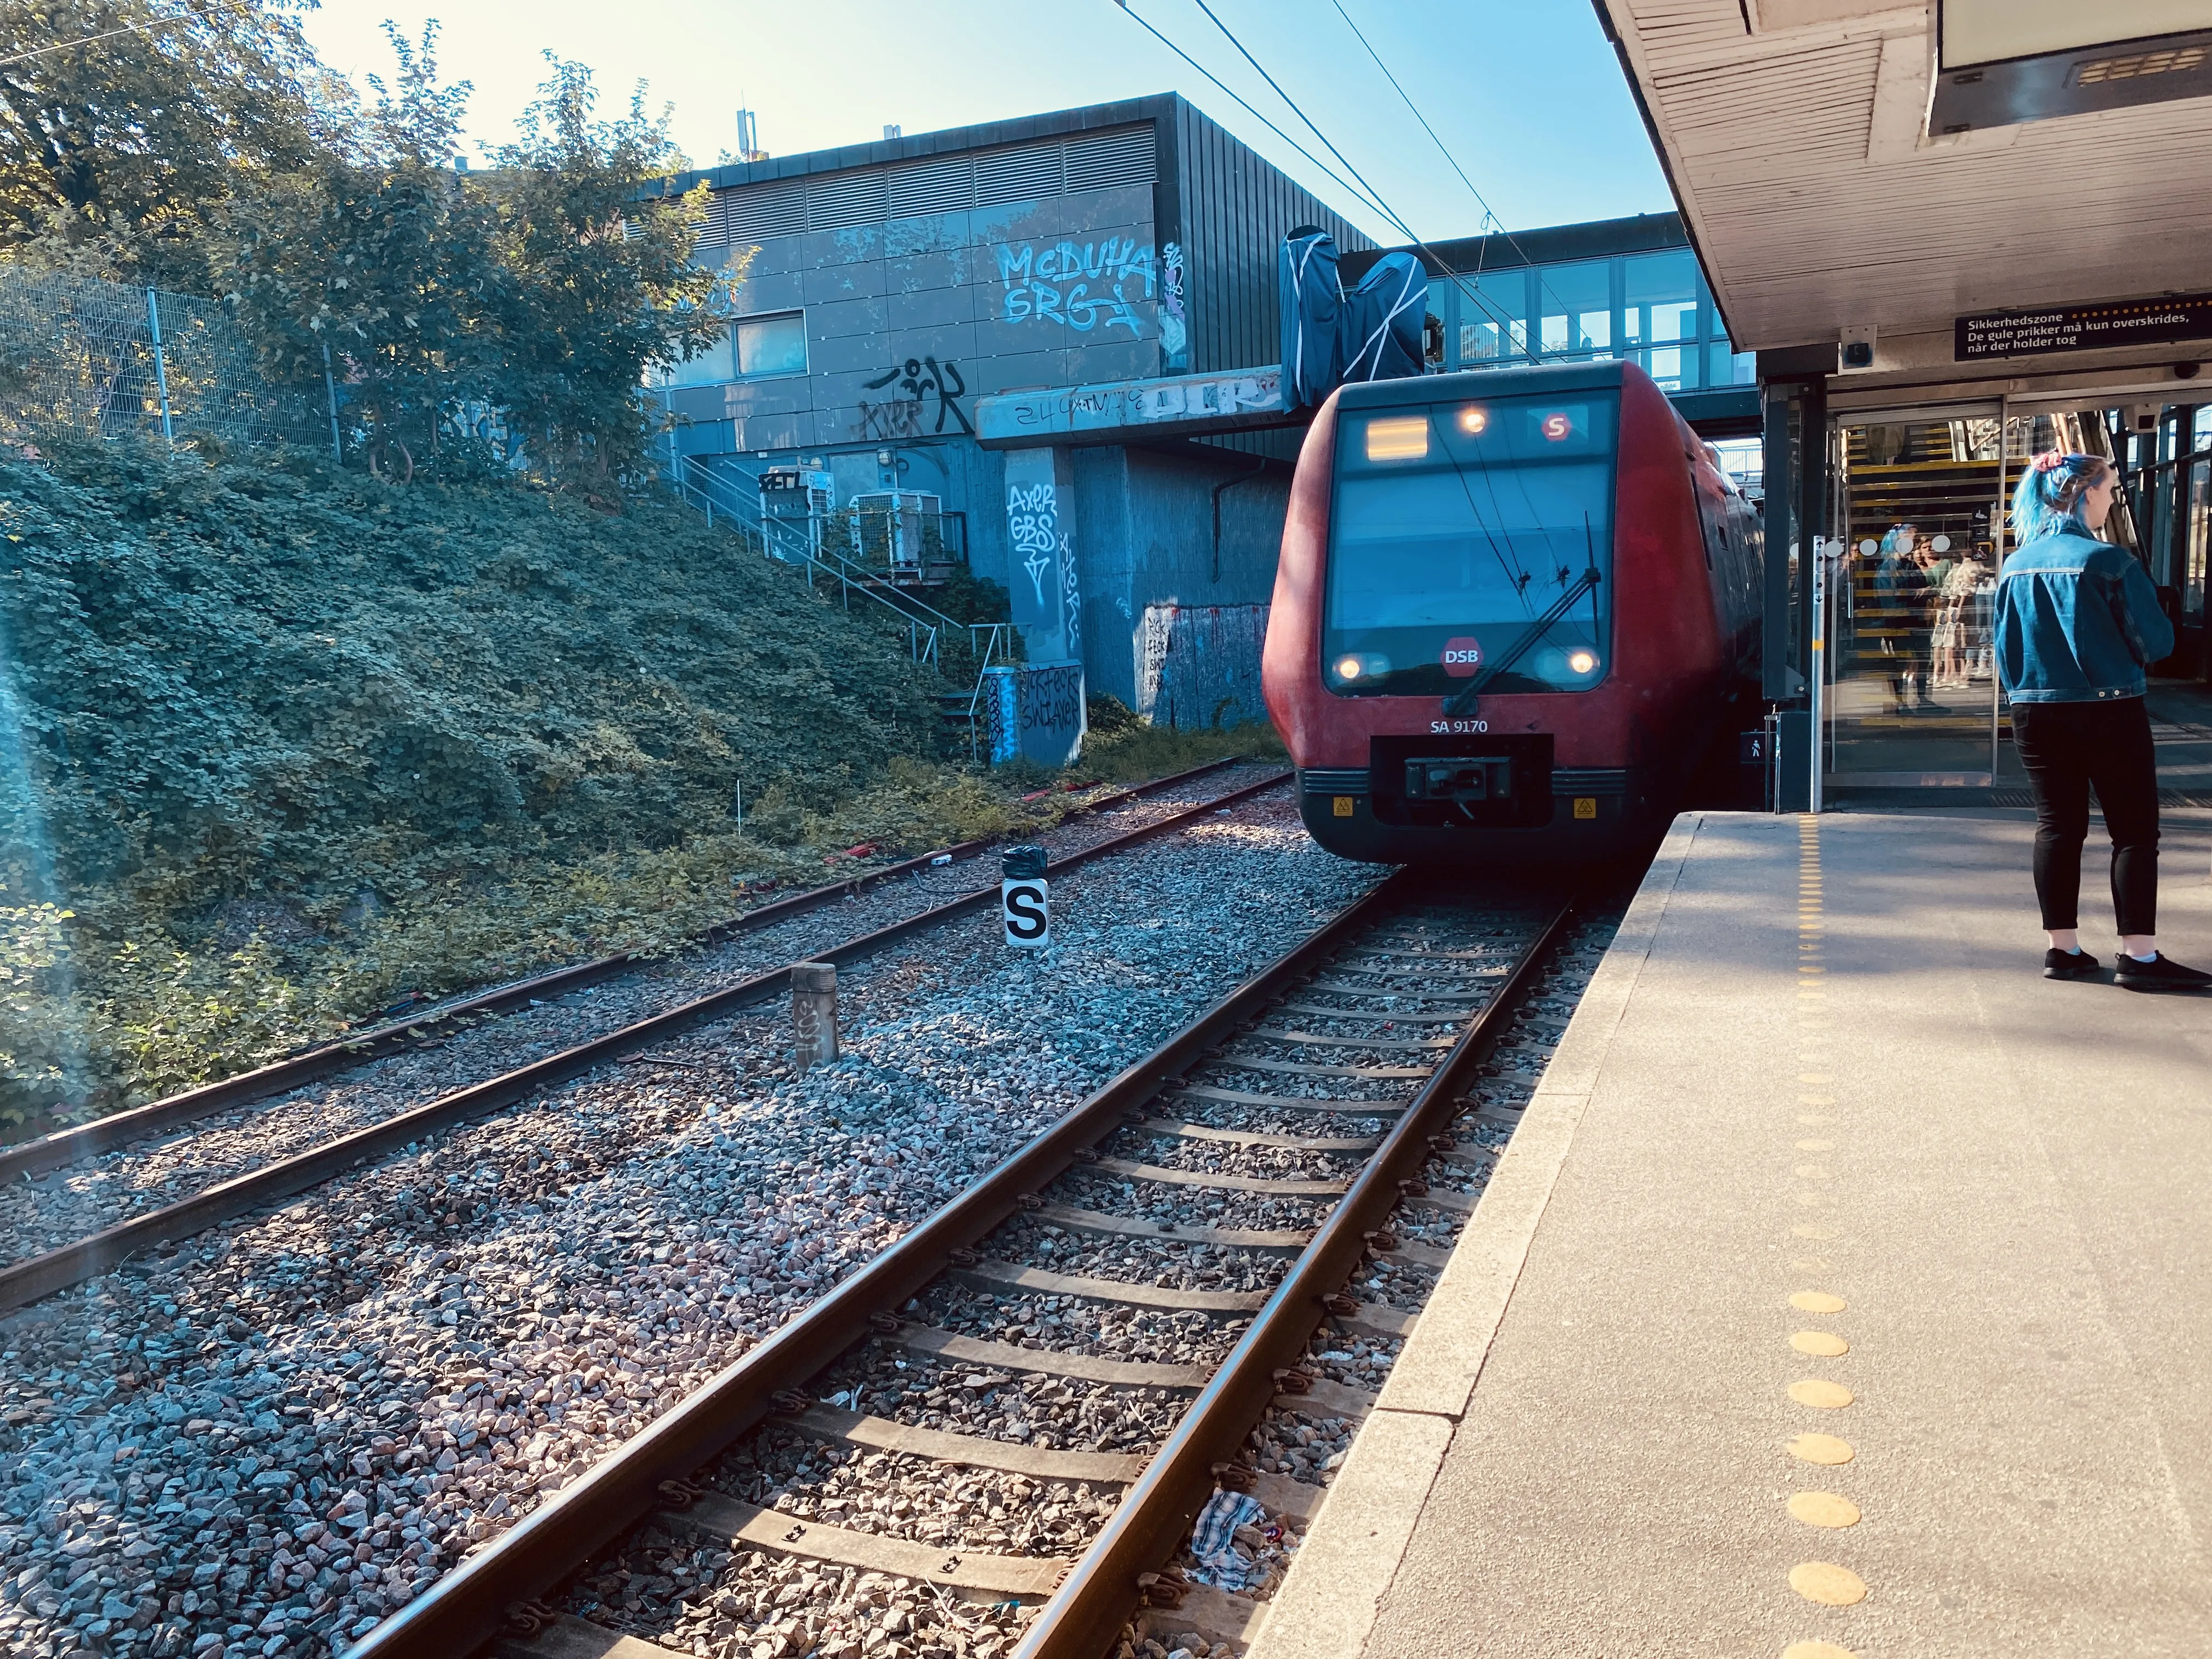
pixel 1910 695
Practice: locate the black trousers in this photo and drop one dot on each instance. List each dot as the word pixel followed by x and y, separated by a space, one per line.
pixel 2067 747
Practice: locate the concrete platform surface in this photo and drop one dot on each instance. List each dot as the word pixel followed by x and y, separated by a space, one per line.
pixel 1847 1290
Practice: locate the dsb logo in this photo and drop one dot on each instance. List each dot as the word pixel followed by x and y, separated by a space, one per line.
pixel 1462 656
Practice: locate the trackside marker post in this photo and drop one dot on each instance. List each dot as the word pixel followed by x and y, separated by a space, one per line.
pixel 813 1013
pixel 1024 898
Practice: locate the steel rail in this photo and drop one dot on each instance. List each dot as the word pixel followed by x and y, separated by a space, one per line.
pixel 119 1128
pixel 469 1605
pixel 1085 1618
pixel 39 1276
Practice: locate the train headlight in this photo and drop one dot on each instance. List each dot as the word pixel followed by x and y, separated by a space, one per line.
pixel 1474 419
pixel 1358 667
pixel 1581 662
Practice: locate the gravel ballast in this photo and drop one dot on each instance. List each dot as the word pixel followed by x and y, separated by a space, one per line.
pixel 60 1205
pixel 262 1443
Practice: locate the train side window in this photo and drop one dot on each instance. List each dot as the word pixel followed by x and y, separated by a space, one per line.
pixel 1713 502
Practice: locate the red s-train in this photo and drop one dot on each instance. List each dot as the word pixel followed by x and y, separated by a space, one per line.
pixel 1556 542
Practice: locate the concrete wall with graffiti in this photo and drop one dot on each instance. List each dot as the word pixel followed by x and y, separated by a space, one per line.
pixel 1119 243
pixel 1146 525
pixel 909 319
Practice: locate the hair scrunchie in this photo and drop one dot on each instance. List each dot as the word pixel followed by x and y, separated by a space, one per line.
pixel 2049 461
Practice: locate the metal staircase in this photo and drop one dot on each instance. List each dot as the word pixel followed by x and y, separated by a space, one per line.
pixel 788 541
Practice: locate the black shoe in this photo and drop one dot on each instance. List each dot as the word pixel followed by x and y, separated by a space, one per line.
pixel 2070 964
pixel 2158 975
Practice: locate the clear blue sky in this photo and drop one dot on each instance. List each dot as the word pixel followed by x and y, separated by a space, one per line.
pixel 1529 98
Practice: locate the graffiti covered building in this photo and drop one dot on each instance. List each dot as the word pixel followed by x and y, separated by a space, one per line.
pixel 891 285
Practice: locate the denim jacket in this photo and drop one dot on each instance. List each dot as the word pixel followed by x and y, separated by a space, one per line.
pixel 2077 621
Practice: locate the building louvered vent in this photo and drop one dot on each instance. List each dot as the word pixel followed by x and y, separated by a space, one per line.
pixel 845 198
pixel 1025 174
pixel 1105 160
pixel 756 213
pixel 941 185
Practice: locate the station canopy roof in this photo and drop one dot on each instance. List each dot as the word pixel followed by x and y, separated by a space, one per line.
pixel 1844 164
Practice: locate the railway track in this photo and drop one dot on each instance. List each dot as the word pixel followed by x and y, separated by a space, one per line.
pixel 995 1437
pixel 30 1278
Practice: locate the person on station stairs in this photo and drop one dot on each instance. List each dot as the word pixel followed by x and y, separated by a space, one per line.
pixel 2077 624
pixel 1956 637
pixel 1901 590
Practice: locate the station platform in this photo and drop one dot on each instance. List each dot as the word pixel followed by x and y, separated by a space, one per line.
pixel 1843 1291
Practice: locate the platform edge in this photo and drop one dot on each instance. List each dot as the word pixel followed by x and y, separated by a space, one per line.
pixel 1350 1558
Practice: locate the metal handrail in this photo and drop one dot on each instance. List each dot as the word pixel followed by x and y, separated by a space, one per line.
pixel 926 623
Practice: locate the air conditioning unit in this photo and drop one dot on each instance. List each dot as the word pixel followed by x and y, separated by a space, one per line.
pixel 794 501
pixel 891 523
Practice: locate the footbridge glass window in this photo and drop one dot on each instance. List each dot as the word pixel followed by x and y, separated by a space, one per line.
pixel 1660 294
pixel 1652 309
pixel 1492 311
pixel 1576 303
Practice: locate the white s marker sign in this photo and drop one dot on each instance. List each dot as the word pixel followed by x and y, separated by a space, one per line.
pixel 1027 908
pixel 1025 899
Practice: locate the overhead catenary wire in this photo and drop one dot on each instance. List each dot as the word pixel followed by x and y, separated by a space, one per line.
pixel 1456 278
pixel 1489 213
pixel 129 29
pixel 1338 178
pixel 1489 307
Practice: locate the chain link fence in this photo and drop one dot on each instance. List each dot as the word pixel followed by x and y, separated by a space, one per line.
pixel 103 360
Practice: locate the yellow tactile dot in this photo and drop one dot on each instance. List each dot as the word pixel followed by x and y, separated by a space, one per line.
pixel 1818 1392
pixel 1817 1302
pixel 1830 1585
pixel 1812 1264
pixel 1822 1345
pixel 1815 1077
pixel 1816 1145
pixel 1814 1172
pixel 1820 1448
pixel 1806 1229
pixel 1816 1650
pixel 1823 1508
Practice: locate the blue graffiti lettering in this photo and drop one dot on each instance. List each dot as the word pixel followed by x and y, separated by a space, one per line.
pixel 1037 283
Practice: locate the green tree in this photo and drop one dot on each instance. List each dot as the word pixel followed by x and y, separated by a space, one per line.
pixel 123 122
pixel 601 287
pixel 385 259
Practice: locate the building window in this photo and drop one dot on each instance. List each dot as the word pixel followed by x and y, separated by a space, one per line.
pixel 751 349
pixel 1493 311
pixel 1652 309
pixel 771 345
pixel 1659 316
pixel 1576 303
pixel 710 367
pixel 1726 365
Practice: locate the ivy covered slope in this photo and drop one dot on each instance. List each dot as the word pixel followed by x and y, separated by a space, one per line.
pixel 289 742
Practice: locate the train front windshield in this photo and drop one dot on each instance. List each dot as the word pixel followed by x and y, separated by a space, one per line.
pixel 1457 529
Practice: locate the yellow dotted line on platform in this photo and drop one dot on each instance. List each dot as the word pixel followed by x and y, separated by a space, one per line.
pixel 1821 1581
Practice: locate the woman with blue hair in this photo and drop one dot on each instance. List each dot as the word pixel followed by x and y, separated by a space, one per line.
pixel 2077 625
